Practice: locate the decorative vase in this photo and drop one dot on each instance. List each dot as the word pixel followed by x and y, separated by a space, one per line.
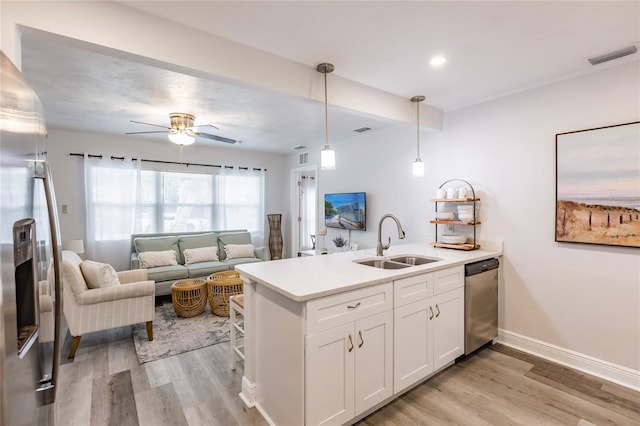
pixel 275 236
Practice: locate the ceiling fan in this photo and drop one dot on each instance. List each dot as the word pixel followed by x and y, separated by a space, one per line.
pixel 182 130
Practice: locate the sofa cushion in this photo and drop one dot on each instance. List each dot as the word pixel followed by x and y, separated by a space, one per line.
pixel 99 275
pixel 240 260
pixel 231 238
pixel 143 244
pixel 204 269
pixel 236 251
pixel 151 259
pixel 202 254
pixel 196 241
pixel 166 273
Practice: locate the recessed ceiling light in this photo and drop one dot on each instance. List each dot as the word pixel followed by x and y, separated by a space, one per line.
pixel 437 61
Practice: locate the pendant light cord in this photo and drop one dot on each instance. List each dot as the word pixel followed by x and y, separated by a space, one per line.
pixel 417 100
pixel 418 129
pixel 326 112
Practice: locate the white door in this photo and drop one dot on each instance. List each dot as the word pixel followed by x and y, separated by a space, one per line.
pixel 329 372
pixel 448 330
pixel 374 360
pixel 413 347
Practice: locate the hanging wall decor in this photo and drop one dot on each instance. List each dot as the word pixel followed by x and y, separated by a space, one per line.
pixel 598 186
pixel 275 236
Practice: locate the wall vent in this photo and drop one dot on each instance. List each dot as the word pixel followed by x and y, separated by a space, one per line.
pixel 304 158
pixel 299 147
pixel 362 129
pixel 613 55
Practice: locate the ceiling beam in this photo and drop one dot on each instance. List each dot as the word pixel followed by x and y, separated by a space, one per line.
pixel 165 44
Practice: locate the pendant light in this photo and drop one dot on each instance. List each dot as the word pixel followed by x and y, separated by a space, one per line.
pixel 418 165
pixel 327 155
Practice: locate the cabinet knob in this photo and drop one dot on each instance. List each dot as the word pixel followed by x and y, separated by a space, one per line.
pixel 431 311
pixel 350 343
pixel 438 308
pixel 353 306
pixel 361 339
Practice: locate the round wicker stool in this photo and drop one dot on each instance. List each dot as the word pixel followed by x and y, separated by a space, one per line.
pixel 189 297
pixel 221 286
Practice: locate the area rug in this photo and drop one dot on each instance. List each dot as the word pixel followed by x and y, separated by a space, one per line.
pixel 173 335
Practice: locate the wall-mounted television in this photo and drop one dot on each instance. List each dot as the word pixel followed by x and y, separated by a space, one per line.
pixel 345 211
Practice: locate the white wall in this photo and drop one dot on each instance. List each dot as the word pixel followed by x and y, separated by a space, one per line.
pixel 579 299
pixel 67 172
pixel 582 298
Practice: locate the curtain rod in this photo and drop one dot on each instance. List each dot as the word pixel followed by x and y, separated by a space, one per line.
pixel 165 162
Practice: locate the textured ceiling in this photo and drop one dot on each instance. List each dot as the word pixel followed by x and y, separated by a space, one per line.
pixel 493 49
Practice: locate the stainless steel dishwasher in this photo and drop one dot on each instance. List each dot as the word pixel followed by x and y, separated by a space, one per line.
pixel 480 303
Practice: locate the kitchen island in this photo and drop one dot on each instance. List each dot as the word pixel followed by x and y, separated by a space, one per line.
pixel 329 340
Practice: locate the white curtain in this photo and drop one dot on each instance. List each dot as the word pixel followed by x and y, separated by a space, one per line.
pixel 112 197
pixel 307 211
pixel 240 202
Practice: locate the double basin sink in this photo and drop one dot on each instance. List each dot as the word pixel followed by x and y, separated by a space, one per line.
pixel 398 262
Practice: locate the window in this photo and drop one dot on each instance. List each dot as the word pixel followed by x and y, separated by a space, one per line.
pixel 172 202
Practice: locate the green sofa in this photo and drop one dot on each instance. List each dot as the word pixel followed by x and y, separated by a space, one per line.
pixel 165 276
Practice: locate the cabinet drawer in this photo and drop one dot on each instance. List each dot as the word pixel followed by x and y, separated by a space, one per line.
pixel 448 279
pixel 412 289
pixel 332 311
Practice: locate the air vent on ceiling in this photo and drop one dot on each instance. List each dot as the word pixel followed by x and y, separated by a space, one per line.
pixel 304 158
pixel 362 129
pixel 299 147
pixel 613 55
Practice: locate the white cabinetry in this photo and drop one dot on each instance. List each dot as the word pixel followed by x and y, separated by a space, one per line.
pixel 349 367
pixel 428 324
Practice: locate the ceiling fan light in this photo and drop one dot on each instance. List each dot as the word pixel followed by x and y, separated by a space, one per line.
pixel 327 158
pixel 181 138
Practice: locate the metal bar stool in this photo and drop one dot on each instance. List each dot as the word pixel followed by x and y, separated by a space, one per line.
pixel 236 308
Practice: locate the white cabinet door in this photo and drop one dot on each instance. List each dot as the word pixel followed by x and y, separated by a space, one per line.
pixel 330 376
pixel 448 327
pixel 413 343
pixel 374 360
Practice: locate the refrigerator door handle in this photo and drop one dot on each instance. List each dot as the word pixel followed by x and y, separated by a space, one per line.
pixel 47 388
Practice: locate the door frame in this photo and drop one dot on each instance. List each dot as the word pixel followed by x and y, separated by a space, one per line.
pixel 296 175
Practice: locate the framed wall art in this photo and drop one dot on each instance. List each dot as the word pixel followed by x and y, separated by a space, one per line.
pixel 598 185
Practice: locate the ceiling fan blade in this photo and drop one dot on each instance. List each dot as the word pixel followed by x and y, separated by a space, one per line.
pixel 205 125
pixel 216 138
pixel 139 133
pixel 150 124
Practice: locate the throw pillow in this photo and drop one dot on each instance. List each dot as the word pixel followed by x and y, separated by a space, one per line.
pixel 151 259
pixel 202 254
pixel 99 275
pixel 235 251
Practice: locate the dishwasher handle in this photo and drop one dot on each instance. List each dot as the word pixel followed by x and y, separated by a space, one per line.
pixel 480 267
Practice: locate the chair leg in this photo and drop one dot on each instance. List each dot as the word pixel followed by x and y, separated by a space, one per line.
pixel 150 330
pixel 74 346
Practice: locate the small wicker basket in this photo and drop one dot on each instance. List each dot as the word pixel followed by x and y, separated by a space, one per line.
pixel 189 297
pixel 221 286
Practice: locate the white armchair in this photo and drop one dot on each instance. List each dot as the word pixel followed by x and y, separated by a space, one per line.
pixel 87 310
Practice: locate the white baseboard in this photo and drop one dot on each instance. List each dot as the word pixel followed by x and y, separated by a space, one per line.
pixel 603 369
pixel 265 415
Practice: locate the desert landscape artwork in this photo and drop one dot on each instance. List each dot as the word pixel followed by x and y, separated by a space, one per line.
pixel 598 186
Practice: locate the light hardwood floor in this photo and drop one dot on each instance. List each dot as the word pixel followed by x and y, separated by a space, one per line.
pixel 105 385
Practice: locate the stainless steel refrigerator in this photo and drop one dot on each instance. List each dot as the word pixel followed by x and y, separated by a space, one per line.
pixel 30 278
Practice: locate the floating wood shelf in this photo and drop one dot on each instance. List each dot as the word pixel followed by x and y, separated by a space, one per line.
pixel 454 222
pixel 456 246
pixel 454 200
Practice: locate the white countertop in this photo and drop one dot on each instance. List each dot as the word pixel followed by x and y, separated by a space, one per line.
pixel 309 277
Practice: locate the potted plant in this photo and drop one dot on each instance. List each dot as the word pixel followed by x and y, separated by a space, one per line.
pixel 340 242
